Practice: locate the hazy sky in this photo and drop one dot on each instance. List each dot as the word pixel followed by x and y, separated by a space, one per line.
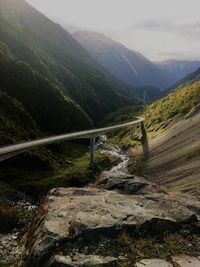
pixel 159 29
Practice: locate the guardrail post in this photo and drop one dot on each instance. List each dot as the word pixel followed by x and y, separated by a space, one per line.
pixel 92 150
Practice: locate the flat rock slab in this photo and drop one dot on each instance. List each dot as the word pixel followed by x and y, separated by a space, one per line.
pixel 153 263
pixel 70 213
pixel 127 183
pixel 79 260
pixel 185 261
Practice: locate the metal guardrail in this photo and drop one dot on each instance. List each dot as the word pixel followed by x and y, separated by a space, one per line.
pixel 13 150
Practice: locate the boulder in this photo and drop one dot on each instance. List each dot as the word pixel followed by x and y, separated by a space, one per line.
pixel 68 214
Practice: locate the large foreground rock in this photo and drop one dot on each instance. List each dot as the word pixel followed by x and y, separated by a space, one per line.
pixel 68 214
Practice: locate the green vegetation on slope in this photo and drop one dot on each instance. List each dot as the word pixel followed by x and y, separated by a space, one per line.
pixel 52 111
pixel 37 171
pixel 182 103
pixel 49 84
pixel 51 51
pixel 179 104
pixel 15 123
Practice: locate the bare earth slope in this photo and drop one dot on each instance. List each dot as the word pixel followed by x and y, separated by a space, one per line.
pixel 174 159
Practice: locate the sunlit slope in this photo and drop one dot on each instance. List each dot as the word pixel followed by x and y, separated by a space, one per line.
pixel 183 102
pixel 174 158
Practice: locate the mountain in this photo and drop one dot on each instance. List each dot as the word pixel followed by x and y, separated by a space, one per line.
pixel 179 68
pixel 130 66
pixel 125 64
pixel 60 71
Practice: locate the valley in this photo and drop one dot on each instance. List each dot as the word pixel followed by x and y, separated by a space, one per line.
pixel 137 202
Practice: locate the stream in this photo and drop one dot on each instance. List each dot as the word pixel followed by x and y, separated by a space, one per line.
pixel 116 152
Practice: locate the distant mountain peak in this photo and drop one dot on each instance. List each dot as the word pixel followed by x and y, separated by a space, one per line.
pixel 131 66
pixel 93 35
pixel 126 64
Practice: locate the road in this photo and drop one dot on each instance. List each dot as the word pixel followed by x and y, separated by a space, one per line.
pixel 12 150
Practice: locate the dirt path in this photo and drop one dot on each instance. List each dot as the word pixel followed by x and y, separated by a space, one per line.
pixel 174 159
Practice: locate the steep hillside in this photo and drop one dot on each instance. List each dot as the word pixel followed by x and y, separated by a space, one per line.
pixel 173 132
pixel 174 158
pixel 51 111
pixel 179 104
pixel 52 52
pixel 15 123
pixel 35 172
pixel 128 65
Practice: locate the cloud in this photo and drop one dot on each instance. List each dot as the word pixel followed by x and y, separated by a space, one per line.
pixel 174 26
pixel 156 28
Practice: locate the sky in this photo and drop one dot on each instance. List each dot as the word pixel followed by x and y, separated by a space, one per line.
pixel 159 29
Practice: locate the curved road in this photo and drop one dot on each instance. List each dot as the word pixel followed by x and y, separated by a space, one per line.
pixel 12 150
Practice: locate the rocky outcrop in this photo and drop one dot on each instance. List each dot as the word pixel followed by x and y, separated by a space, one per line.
pixel 127 183
pixel 73 220
pixel 153 263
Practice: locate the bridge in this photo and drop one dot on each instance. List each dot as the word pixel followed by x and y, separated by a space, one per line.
pixel 13 150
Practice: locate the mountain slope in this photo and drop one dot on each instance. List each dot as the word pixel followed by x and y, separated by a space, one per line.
pixel 183 102
pixel 173 129
pixel 190 78
pixel 51 111
pixel 128 65
pixel 179 68
pixel 15 123
pixel 52 52
pixel 174 158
